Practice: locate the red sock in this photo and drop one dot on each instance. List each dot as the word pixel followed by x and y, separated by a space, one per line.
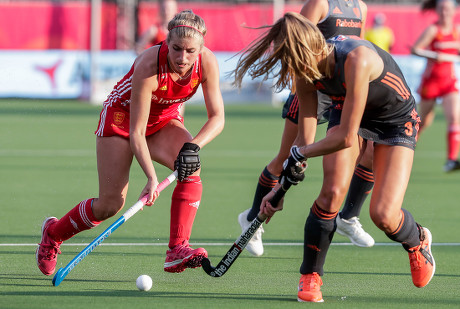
pixel 78 219
pixel 453 142
pixel 184 205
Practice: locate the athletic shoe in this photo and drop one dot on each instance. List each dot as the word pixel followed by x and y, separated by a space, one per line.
pixel 353 229
pixel 255 245
pixel 182 256
pixel 47 250
pixel 422 265
pixel 451 165
pixel 309 289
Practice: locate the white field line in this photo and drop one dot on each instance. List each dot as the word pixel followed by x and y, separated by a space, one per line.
pixel 281 244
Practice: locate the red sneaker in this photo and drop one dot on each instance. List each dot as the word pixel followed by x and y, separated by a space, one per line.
pixel 47 250
pixel 182 256
pixel 422 265
pixel 309 289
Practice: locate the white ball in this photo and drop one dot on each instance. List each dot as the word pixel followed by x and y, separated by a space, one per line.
pixel 144 283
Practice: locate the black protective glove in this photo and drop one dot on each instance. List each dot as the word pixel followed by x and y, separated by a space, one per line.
pixel 187 161
pixel 294 167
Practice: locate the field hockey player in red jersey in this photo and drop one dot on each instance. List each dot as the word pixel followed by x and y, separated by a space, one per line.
pixel 141 119
pixel 371 100
pixel 440 44
pixel 332 17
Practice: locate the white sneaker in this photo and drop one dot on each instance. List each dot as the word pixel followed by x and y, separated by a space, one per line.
pixel 255 245
pixel 354 230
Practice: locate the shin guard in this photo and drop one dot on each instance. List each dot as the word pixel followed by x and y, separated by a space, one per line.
pixel 407 232
pixel 266 182
pixel 184 205
pixel 319 230
pixel 78 219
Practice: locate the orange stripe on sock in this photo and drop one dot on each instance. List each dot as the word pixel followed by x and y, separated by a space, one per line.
pixel 366 175
pixel 323 214
pixel 400 224
pixel 267 182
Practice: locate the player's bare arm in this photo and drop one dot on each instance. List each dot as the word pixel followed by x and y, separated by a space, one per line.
pixel 315 10
pixel 425 39
pixel 213 100
pixel 308 111
pixel 143 84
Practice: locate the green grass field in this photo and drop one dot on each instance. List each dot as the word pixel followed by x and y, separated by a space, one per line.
pixel 47 151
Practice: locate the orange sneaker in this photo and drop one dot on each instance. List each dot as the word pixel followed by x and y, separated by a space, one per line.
pixel 309 288
pixel 422 265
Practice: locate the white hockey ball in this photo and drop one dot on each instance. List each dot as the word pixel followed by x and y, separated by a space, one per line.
pixel 144 283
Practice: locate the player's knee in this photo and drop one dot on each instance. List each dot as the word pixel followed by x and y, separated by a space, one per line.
pixel 109 207
pixel 383 220
pixel 332 196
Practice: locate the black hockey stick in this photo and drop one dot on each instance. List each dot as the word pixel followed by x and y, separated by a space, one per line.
pixel 242 241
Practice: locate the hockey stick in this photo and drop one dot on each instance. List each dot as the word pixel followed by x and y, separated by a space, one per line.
pixel 243 240
pixel 63 272
pixel 435 55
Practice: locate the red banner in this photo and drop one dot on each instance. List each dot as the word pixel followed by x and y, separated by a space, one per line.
pixel 50 25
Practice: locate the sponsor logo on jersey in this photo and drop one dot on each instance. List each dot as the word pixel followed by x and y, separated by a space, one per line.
pixel 118 118
pixel 346 23
pixel 164 88
pixel 172 101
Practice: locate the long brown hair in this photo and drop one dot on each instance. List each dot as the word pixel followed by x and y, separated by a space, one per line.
pixel 291 45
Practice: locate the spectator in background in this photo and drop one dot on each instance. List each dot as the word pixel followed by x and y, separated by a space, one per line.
pixel 440 44
pixel 159 30
pixel 379 34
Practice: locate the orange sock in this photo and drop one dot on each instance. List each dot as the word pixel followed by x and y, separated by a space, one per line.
pixel 78 219
pixel 184 205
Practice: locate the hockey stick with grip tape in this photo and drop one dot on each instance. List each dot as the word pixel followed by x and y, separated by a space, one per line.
pixel 63 272
pixel 243 240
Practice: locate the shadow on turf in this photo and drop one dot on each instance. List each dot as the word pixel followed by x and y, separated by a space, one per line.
pixel 225 296
pixel 137 294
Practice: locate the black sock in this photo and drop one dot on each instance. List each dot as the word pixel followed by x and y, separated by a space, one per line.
pixel 319 230
pixel 407 233
pixel 266 182
pixel 360 187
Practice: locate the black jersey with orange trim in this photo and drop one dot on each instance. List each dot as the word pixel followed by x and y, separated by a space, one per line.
pixel 344 17
pixel 389 95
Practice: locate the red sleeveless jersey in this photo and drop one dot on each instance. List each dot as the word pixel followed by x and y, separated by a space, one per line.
pixel 165 103
pixel 439 78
